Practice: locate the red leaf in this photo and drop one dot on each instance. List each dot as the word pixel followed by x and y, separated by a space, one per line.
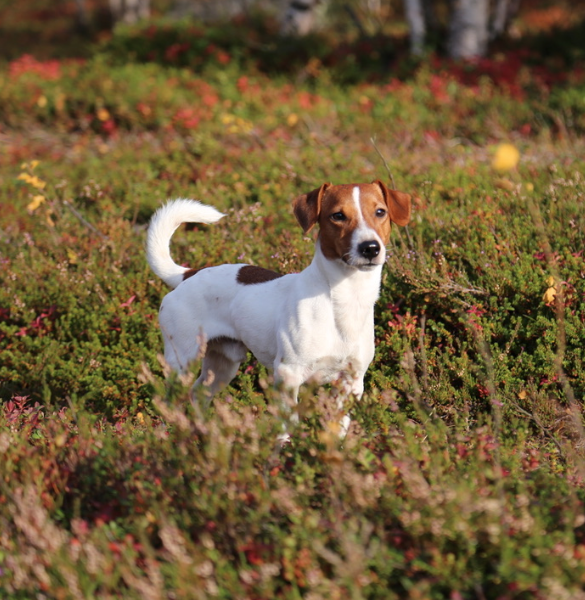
pixel 128 302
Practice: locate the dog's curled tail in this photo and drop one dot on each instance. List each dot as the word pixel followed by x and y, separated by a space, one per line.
pixel 162 226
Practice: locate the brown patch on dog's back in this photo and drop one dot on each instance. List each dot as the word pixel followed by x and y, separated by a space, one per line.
pixel 250 274
pixel 190 273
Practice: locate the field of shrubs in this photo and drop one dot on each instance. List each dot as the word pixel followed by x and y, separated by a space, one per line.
pixel 463 474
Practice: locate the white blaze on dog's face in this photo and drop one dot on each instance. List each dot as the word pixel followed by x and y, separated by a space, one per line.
pixel 354 220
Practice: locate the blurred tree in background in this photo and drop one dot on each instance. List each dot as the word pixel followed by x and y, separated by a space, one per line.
pixel 464 29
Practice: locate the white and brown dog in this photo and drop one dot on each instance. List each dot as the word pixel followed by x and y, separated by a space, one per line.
pixel 314 325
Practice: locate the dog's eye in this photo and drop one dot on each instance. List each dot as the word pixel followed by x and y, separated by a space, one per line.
pixel 338 216
pixel 380 212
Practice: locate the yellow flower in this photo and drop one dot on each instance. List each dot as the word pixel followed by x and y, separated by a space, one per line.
pixel 506 158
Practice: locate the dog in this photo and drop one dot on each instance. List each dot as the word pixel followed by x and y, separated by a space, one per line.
pixel 314 325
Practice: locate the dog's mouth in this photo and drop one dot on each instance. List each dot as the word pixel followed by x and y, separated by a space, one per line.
pixel 365 254
pixel 369 266
pixel 362 264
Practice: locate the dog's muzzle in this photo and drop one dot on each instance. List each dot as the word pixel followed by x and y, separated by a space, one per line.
pixel 369 249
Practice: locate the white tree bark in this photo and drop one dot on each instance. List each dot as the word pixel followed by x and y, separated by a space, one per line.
pixel 129 11
pixel 81 16
pixel 468 29
pixel 300 17
pixel 215 10
pixel 415 16
pixel 504 12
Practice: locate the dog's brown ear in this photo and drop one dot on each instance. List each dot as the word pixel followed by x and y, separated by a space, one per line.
pixel 308 206
pixel 398 204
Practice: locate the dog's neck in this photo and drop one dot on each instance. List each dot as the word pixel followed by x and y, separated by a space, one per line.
pixel 353 292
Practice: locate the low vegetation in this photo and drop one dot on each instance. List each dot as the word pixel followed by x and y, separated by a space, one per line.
pixel 462 474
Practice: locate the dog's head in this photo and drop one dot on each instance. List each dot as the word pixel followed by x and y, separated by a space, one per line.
pixel 354 220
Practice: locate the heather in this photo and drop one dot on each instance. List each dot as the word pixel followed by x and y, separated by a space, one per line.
pixel 462 474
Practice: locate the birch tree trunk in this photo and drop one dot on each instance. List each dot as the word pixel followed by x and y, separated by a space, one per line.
pixel 415 16
pixel 129 11
pixel 468 29
pixel 300 17
pixel 81 16
pixel 504 11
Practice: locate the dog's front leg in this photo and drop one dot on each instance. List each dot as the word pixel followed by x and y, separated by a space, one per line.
pixel 288 380
pixel 352 386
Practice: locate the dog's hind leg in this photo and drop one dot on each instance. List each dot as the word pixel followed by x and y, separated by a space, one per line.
pixel 179 355
pixel 220 365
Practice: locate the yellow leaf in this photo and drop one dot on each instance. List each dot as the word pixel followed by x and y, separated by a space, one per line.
pixel 504 184
pixel 550 281
pixel 522 394
pixel 35 203
pixel 42 102
pixel 292 120
pixel 334 427
pixel 36 182
pixel 25 177
pixel 333 456
pixel 60 102
pixel 102 114
pixel 506 158
pixel 71 256
pixel 550 295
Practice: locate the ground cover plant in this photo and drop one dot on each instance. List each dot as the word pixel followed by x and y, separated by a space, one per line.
pixel 462 475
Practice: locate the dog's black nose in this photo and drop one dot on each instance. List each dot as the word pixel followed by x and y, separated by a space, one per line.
pixel 369 249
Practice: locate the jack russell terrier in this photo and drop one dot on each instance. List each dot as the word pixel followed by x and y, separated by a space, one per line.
pixel 314 325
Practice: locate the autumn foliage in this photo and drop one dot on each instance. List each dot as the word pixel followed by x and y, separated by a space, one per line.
pixel 462 474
